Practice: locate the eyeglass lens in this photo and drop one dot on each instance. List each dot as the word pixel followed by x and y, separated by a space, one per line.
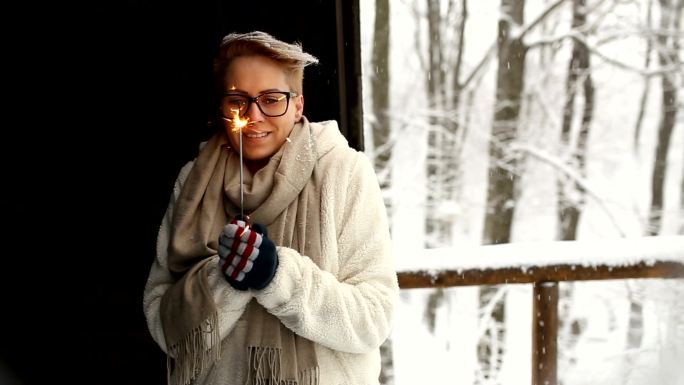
pixel 269 103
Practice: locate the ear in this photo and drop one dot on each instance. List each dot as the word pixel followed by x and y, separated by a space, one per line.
pixel 299 107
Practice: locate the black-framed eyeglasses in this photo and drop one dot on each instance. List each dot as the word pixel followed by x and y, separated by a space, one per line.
pixel 272 103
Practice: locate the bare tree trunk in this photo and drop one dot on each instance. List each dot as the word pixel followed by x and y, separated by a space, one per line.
pixel 443 153
pixel 571 196
pixel 666 55
pixel 501 192
pixel 453 144
pixel 458 64
pixel 444 135
pixel 380 83
pixel 647 79
pixel 436 229
pixel 681 205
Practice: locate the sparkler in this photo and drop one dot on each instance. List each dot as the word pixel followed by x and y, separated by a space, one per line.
pixel 238 123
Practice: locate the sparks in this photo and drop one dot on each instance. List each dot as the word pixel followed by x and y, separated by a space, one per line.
pixel 237 122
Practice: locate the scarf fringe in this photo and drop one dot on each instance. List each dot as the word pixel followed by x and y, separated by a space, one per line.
pixel 264 365
pixel 195 352
pixel 309 377
pixel 265 368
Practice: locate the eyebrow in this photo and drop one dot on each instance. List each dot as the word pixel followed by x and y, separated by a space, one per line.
pixel 237 91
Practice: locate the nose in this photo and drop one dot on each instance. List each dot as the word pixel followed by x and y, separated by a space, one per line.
pixel 254 113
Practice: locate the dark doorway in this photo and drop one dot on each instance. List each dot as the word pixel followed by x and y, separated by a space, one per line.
pixel 112 99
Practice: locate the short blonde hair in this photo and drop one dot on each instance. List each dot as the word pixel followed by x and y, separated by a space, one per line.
pixel 291 56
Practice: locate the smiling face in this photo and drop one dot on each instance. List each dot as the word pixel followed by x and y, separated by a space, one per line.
pixel 264 135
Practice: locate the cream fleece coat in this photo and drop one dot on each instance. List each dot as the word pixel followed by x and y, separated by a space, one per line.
pixel 344 303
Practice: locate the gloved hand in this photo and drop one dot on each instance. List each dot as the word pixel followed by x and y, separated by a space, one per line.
pixel 247 257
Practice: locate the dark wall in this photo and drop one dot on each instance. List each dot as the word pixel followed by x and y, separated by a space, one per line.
pixel 108 101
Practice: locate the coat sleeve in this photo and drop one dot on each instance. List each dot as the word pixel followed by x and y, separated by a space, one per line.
pixel 231 303
pixel 351 311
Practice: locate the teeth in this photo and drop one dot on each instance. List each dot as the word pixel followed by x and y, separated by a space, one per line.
pixel 256 134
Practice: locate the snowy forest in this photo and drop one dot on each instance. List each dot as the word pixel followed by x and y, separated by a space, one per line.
pixel 529 122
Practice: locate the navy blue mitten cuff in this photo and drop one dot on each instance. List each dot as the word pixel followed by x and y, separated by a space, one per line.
pixel 266 265
pixel 265 269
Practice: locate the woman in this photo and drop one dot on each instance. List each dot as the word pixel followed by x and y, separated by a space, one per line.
pixel 300 290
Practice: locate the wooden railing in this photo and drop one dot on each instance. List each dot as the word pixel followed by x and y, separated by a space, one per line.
pixel 653 258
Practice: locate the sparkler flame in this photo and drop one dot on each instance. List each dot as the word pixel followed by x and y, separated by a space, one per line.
pixel 237 122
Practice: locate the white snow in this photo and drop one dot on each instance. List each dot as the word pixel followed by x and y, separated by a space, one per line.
pixel 607 252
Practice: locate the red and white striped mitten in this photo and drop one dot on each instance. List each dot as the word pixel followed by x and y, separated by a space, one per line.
pixel 247 258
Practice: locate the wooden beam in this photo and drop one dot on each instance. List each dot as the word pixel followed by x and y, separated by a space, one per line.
pixel 448 278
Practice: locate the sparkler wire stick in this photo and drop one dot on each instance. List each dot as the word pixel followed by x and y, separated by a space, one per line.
pixel 237 124
pixel 242 186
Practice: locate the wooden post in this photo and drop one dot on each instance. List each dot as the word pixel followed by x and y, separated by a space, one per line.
pixel 545 333
pixel 545 279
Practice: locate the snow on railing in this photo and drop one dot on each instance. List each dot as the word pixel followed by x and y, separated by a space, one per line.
pixel 529 262
pixel 544 264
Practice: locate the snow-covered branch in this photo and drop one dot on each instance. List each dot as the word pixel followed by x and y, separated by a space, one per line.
pixel 615 62
pixel 572 174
